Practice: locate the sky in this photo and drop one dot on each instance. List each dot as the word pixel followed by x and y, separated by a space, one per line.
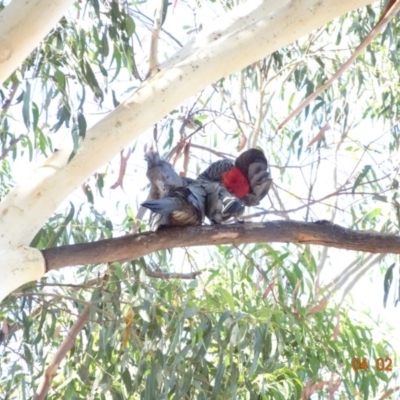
pixel 367 295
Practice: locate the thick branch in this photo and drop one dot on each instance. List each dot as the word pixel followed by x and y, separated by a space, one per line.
pixel 248 33
pixel 134 246
pixel 23 25
pixel 255 29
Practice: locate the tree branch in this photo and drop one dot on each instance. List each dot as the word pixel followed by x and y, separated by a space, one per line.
pixel 23 25
pixel 172 275
pixel 388 14
pixel 251 31
pixel 65 347
pixel 155 36
pixel 132 247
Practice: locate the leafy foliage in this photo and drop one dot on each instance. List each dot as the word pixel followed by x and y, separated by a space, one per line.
pixel 261 321
pixel 220 336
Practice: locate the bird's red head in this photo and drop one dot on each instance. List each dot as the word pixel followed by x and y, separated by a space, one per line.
pixel 236 182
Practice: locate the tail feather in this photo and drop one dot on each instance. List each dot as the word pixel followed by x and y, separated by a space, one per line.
pixel 197 196
pixel 162 206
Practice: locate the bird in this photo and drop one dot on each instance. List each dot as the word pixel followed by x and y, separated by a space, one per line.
pixel 254 165
pixel 219 193
pixel 248 177
pixel 162 176
pixel 181 206
pixel 189 205
pixel 170 201
pixel 221 205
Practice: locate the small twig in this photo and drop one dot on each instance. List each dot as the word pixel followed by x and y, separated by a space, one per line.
pixel 340 192
pixel 357 277
pixel 338 281
pixel 389 393
pixel 7 103
pixel 155 35
pixel 239 106
pixel 217 153
pixel 185 140
pixel 139 217
pixel 371 36
pixel 258 109
pixel 172 275
pixel 188 118
pixel 65 347
pixel 162 29
pixel 13 143
pixel 122 169
pixel 186 154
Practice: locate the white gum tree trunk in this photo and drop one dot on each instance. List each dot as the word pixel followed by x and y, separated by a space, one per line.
pixel 248 33
pixel 23 24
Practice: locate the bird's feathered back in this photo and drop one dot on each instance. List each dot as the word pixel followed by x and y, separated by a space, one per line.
pixel 248 178
pixel 221 204
pixel 215 171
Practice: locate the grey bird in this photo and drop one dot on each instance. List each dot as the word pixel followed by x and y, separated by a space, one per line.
pixel 220 204
pixel 248 177
pixel 162 176
pixel 176 201
pixel 182 206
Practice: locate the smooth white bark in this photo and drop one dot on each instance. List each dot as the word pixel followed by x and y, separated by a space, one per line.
pixel 257 30
pixel 18 266
pixel 23 25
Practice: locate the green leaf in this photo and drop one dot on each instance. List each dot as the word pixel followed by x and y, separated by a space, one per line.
pixel 81 125
pixel 61 230
pixel 26 106
pixel 130 25
pixel 360 177
pixel 257 351
pixel 227 297
pixel 218 379
pixel 387 283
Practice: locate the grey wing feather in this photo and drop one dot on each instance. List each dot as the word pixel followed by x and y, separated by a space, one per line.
pixel 162 206
pixel 215 170
pixel 213 204
pixel 198 196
